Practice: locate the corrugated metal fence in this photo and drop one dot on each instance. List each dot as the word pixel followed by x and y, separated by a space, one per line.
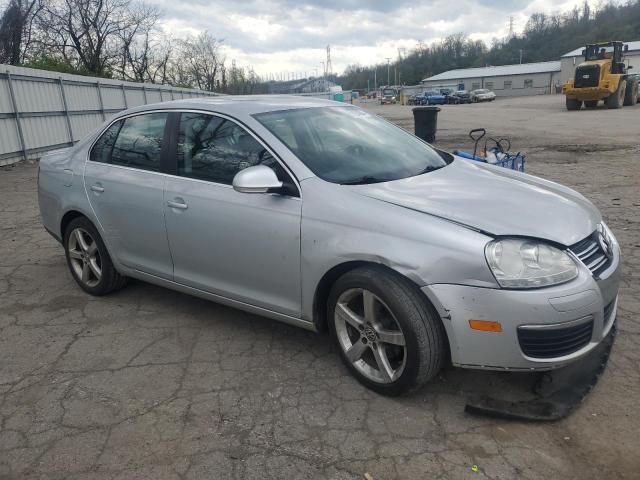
pixel 42 110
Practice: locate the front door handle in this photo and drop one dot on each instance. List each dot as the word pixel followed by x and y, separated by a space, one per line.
pixel 97 187
pixel 178 203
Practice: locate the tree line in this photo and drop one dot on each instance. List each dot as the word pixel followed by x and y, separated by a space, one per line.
pixel 544 38
pixel 123 39
pixel 119 39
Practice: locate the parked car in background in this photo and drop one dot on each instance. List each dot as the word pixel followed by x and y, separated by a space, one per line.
pixel 324 216
pixel 482 95
pixel 449 98
pixel 461 96
pixel 413 100
pixel 388 96
pixel 431 97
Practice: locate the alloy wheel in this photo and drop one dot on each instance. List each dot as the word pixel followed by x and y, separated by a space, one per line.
pixel 370 336
pixel 84 257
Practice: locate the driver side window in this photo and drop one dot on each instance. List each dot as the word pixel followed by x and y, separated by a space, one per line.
pixel 215 149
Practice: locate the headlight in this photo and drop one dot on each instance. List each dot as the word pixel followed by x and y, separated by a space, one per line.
pixel 524 263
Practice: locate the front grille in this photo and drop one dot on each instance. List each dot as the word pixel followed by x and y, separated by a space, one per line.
pixel 591 254
pixel 587 76
pixel 554 342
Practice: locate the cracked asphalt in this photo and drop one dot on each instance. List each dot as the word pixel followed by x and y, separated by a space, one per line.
pixel 152 384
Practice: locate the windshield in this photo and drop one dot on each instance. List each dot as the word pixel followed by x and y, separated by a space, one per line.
pixel 388 92
pixel 599 53
pixel 349 145
pixel 482 91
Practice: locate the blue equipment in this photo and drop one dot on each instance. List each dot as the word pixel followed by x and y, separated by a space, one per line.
pixel 500 150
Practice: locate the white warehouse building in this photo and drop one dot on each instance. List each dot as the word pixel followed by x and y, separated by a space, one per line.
pixel 569 61
pixel 505 80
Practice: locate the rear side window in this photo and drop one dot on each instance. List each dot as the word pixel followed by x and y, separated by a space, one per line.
pixel 215 149
pixel 139 142
pixel 101 151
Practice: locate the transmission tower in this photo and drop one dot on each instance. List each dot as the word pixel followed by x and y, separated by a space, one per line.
pixel 328 69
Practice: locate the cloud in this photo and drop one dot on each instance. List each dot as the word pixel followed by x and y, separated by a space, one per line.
pixel 289 35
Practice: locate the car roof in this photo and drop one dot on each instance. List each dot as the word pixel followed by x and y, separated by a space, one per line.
pixel 239 105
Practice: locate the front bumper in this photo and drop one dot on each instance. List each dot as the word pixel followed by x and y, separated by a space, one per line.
pixel 571 305
pixel 586 93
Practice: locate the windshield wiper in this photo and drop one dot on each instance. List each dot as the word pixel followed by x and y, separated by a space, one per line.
pixel 365 180
pixel 430 168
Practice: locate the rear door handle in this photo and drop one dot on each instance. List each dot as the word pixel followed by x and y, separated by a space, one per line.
pixel 98 188
pixel 178 203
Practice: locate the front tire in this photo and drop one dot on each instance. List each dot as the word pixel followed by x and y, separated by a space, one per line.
pixel 389 336
pixel 631 93
pixel 88 259
pixel 616 99
pixel 573 104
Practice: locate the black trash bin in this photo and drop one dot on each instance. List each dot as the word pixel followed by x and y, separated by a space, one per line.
pixel 426 122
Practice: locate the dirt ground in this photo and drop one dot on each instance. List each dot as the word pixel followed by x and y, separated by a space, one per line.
pixel 152 384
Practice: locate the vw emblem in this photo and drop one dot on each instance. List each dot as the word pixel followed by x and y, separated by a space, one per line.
pixel 370 334
pixel 605 242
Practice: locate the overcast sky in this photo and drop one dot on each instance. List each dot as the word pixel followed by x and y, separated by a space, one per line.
pixel 276 36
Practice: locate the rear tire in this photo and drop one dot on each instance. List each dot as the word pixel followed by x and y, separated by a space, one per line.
pixel 573 104
pixel 88 259
pixel 397 343
pixel 591 103
pixel 616 99
pixel 631 93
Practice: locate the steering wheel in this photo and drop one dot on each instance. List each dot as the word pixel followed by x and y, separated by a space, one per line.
pixel 356 150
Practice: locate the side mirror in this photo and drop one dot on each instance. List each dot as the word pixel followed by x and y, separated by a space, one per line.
pixel 256 179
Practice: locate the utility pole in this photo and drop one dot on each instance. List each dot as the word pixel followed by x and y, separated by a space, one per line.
pixel 520 56
pixel 375 78
pixel 388 69
pixel 510 27
pixel 401 52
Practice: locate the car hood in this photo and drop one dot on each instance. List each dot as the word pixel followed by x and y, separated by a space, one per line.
pixel 494 200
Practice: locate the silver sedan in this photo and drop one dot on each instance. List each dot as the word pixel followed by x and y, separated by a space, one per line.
pixel 323 216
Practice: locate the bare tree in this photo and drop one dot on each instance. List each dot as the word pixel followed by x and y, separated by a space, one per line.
pixel 16 27
pixel 90 33
pixel 203 60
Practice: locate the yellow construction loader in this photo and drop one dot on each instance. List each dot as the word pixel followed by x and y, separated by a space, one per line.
pixel 602 76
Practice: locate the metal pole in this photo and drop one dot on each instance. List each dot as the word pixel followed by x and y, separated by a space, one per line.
pixel 124 97
pixel 17 114
pixel 388 70
pixel 104 117
pixel 66 110
pixel 144 93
